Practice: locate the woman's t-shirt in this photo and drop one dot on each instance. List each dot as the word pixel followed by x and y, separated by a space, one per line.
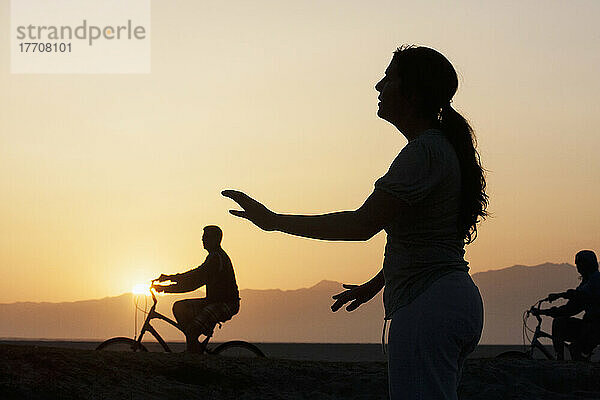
pixel 423 244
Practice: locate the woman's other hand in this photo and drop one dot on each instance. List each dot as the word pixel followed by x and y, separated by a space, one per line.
pixel 356 294
pixel 253 211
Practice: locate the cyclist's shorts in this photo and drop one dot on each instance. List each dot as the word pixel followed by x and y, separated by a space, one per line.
pixel 209 315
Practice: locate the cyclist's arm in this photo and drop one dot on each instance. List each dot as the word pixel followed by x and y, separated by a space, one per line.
pixel 579 295
pixel 190 280
pixel 572 307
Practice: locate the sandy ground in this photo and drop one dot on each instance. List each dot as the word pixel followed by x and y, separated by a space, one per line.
pixel 341 352
pixel 30 372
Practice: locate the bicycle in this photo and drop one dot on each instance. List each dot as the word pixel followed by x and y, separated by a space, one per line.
pixel 538 333
pixel 535 340
pixel 234 348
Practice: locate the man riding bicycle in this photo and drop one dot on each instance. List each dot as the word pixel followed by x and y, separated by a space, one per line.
pixel 584 334
pixel 199 316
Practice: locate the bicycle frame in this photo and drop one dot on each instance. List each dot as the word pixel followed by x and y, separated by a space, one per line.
pixel 535 343
pixel 135 344
pixel 153 314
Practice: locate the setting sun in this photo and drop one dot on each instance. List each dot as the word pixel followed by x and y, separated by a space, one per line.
pixel 140 288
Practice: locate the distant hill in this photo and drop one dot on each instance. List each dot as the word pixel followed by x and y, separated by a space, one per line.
pixel 508 292
pixel 301 315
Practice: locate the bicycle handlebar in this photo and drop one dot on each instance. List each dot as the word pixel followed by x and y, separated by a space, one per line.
pixel 550 298
pixel 537 305
pixel 153 292
pixel 154 299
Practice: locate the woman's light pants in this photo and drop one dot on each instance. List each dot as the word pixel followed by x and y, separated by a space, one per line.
pixel 431 337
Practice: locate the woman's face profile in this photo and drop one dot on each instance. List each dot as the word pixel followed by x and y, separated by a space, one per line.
pixel 392 104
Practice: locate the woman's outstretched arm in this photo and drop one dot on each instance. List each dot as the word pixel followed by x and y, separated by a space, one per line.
pixel 379 209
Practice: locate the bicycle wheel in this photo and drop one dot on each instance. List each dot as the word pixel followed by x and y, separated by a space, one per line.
pixel 121 344
pixel 515 355
pixel 238 349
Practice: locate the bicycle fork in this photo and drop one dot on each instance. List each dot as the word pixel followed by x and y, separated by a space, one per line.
pixel 536 344
pixel 147 327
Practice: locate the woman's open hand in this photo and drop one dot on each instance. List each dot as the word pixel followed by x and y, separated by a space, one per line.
pixel 253 211
pixel 356 294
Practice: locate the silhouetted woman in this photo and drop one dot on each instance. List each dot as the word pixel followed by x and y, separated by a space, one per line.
pixel 429 203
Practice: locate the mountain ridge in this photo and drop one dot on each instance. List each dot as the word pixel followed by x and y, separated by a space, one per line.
pixel 295 315
pixel 322 283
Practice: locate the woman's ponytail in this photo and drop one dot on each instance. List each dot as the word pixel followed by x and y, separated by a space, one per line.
pixel 474 200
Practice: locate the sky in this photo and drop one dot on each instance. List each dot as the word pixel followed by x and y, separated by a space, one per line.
pixel 107 180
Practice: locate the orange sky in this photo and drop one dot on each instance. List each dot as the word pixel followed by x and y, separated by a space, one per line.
pixel 107 180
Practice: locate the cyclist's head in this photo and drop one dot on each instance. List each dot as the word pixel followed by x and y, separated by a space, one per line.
pixel 586 262
pixel 211 238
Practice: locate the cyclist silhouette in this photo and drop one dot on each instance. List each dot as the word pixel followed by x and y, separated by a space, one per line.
pixel 199 316
pixel 583 333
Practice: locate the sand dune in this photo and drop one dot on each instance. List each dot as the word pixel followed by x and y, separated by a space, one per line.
pixel 28 372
